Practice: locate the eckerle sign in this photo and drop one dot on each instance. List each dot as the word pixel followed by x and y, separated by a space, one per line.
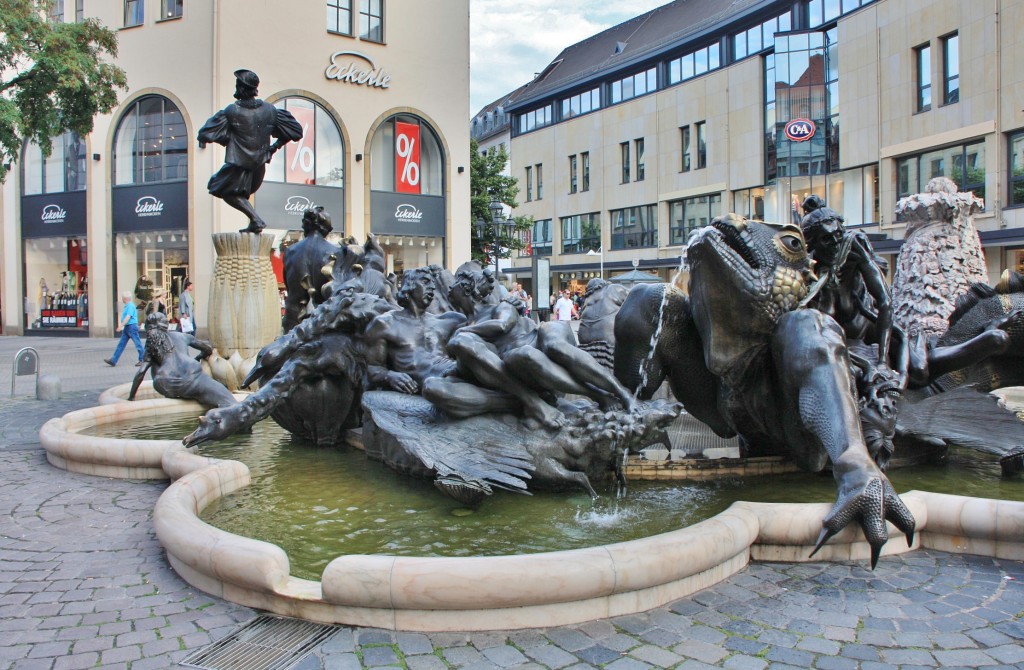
pixel 296 205
pixel 355 68
pixel 53 214
pixel 147 205
pixel 406 212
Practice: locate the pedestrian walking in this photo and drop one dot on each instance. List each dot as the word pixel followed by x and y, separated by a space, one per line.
pixel 128 326
pixel 564 309
pixel 186 317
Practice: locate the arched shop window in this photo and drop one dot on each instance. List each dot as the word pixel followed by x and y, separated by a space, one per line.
pixel 318 158
pixel 150 216
pixel 53 231
pixel 63 170
pixel 151 143
pixel 406 157
pixel 407 203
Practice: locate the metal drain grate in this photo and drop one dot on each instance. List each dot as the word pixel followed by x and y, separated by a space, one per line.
pixel 267 642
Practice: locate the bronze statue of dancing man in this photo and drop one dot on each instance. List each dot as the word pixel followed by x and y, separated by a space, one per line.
pixel 245 128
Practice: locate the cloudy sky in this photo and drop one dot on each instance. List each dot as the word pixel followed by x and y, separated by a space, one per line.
pixel 510 40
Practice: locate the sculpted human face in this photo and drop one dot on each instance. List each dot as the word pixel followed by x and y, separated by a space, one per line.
pixel 418 288
pixel 825 240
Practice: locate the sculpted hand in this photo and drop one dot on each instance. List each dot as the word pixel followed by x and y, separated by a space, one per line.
pixel 403 383
pixel 867 497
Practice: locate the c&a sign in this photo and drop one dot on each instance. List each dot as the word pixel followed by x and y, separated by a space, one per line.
pixel 800 130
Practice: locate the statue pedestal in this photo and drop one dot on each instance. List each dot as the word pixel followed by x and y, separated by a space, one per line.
pixel 245 310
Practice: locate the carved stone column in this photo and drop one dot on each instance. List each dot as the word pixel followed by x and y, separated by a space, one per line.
pixel 245 310
pixel 940 258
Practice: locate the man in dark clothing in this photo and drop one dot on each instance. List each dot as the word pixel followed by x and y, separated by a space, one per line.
pixel 245 128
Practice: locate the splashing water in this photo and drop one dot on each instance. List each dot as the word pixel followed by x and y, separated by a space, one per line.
pixel 604 518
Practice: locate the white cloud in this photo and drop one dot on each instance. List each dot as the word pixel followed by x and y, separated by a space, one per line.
pixel 510 40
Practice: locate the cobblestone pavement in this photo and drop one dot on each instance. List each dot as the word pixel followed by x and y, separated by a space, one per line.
pixel 84 584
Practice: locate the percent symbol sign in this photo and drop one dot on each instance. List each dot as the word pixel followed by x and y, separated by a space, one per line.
pixel 303 154
pixel 410 171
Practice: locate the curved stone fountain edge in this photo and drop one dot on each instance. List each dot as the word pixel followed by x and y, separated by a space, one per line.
pixel 488 593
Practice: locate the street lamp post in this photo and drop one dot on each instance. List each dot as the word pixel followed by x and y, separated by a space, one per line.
pixel 599 252
pixel 498 226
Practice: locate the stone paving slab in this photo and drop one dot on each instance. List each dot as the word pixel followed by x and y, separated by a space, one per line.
pixel 85 584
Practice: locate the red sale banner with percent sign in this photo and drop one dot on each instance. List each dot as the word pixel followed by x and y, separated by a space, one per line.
pixel 299 154
pixel 407 157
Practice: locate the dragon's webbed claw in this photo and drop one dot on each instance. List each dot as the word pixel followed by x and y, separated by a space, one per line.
pixel 876 503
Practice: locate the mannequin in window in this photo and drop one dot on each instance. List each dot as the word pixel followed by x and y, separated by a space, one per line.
pixel 245 128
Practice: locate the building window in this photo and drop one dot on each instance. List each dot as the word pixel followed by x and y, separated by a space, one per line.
pixel 79 11
pixel 624 152
pixel 585 159
pixel 171 9
pixel 689 214
pixel 63 170
pixel 339 17
pixel 964 164
pixel 702 144
pixel 748 203
pixel 640 170
pixel 371 20
pixel 684 146
pixel 694 64
pixel 150 144
pixel 634 227
pixel 825 11
pixel 390 170
pixel 760 37
pixel 581 103
pixel 57 11
pixel 923 59
pixel 317 158
pixel 535 118
pixel 572 174
pixel 133 13
pixel 581 233
pixel 950 69
pixel 542 237
pixel 634 85
pixel 540 180
pixel 802 82
pixel 1016 170
pixel 529 184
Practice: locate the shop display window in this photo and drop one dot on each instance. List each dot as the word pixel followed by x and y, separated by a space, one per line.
pixel 147 262
pixel 56 283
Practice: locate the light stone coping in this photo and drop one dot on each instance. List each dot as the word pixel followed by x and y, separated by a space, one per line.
pixel 120 393
pixel 507 592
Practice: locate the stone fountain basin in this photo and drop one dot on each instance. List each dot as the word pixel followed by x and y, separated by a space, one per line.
pixel 486 592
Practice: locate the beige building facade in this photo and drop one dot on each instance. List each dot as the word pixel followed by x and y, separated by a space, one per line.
pixel 632 138
pixel 381 89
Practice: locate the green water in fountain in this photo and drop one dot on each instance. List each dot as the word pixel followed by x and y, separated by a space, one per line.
pixel 318 504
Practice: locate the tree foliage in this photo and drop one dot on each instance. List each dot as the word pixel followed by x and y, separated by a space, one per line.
pixel 54 77
pixel 486 183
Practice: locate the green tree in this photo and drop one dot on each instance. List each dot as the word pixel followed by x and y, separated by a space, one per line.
pixel 54 76
pixel 486 183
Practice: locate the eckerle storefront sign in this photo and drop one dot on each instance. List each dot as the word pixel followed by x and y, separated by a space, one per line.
pixel 53 215
pixel 282 205
pixel 405 214
pixel 149 207
pixel 353 67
